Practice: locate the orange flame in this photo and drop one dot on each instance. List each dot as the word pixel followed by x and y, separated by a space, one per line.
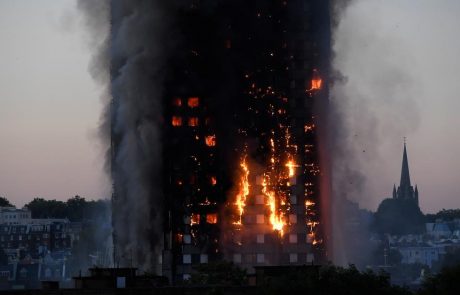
pixel 210 140
pixel 176 121
pixel 193 121
pixel 211 218
pixel 291 165
pixel 193 102
pixel 276 218
pixel 244 190
pixel 316 84
pixel 316 81
pixel 194 219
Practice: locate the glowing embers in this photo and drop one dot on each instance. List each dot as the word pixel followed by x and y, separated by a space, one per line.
pixel 176 121
pixel 311 224
pixel 316 81
pixel 193 121
pixel 213 180
pixel 195 219
pixel 240 201
pixel 210 140
pixel 193 102
pixel 211 218
pixel 309 128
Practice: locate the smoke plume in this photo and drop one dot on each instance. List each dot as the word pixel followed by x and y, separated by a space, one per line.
pixel 372 108
pixel 130 63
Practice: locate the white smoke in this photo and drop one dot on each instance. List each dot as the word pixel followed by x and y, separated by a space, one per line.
pixel 373 103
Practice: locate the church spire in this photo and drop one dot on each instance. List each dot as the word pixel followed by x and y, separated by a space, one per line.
pixel 405 177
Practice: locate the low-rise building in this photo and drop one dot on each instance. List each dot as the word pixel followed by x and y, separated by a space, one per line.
pixel 14 216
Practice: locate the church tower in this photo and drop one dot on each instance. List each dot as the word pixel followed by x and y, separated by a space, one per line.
pixel 405 190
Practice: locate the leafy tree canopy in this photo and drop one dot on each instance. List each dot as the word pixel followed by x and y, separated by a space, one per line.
pixel 4 202
pixel 399 217
pixel 75 209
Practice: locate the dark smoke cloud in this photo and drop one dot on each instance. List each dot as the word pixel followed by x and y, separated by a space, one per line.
pixel 96 21
pixel 373 103
pixel 130 62
pixel 139 48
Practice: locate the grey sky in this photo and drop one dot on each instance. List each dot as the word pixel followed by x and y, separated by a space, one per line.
pixel 400 58
pixel 49 105
pixel 401 61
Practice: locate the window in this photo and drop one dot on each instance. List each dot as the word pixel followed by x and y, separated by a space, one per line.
pixel 211 218
pixel 210 140
pixel 260 239
pixel 292 218
pixel 260 258
pixel 237 239
pixel 237 258
pixel 187 259
pixel 260 199
pixel 293 258
pixel 293 199
pixel 310 257
pixel 293 238
pixel 204 258
pixel 213 180
pixel 193 121
pixel 176 121
pixel 260 219
pixel 193 102
pixel 195 219
pixel 186 276
pixel 177 102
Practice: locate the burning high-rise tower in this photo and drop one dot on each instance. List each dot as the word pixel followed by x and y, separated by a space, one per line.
pixel 238 99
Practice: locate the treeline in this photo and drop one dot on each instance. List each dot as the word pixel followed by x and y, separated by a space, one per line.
pixel 405 217
pixel 75 209
pixel 325 280
pixel 445 215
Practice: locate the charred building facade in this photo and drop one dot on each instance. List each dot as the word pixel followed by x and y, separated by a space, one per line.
pixel 243 95
pixel 242 167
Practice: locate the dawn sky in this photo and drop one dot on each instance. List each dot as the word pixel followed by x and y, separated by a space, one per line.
pixel 400 58
pixel 49 106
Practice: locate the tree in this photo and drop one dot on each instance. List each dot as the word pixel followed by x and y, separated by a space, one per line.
pixel 75 208
pixel 331 280
pixel 4 202
pixel 219 273
pixel 41 208
pixel 445 283
pixel 399 217
pixel 445 215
